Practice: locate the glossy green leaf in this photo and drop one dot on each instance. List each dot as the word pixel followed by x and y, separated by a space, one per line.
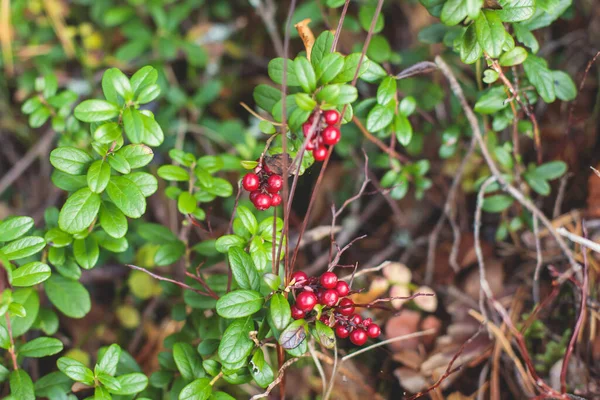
pixel 70 160
pixel 275 70
pixel 137 155
pixel 188 361
pixel 386 90
pixel 173 173
pixel 112 220
pixel 564 86
pixel 95 111
pixel 261 371
pixel 541 77
pixel 403 129
pixel 127 196
pixel 497 203
pixel 23 247
pixel 453 12
pixel 243 269
pixel 131 383
pixel 515 56
pixel 490 32
pixel 79 211
pixel 279 311
pixel 30 274
pixel 69 296
pixel 236 344
pixel 21 385
pixel 239 303
pixel 200 389
pixel 15 227
pixel 76 370
pixel 41 347
pixel 108 132
pixel 516 10
pixel 98 176
pixel 379 117
pixel 329 67
pixel 86 252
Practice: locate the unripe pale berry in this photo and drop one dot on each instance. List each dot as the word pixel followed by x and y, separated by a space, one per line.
pixel 331 117
pixel 358 337
pixel 328 280
pixel 306 301
pixel 331 135
pixel 250 182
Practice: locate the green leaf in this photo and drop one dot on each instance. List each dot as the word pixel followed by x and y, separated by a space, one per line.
pixel 112 220
pixel 243 269
pixel 239 303
pixel 30 274
pixel 541 77
pixel 67 182
pixel 329 67
pixel 110 359
pixel 101 392
pixel 148 94
pixel 247 219
pixel 41 347
pixel 324 335
pixel 321 48
pixel 490 32
pixel 551 170
pixel 147 183
pixel 379 118
pixel 403 129
pixel 497 203
pixel 169 253
pixel 173 173
pixel 31 105
pixel 23 247
pixel 515 56
pixel 126 196
pixel 266 96
pixel 21 385
pixel 152 134
pixel 86 252
pixel 537 183
pixel 96 110
pixel 186 203
pixel 39 117
pixel 516 10
pixel 305 74
pixel 379 49
pixel 131 384
pixel 453 12
pixel 188 361
pixel 69 269
pixel 329 94
pixel 47 321
pixel 526 37
pixel 70 160
pixel 114 82
pixel 69 296
pixel 275 70
pixel 279 311
pixel 293 335
pixel 470 49
pixel 492 101
pixel 133 124
pixel 137 155
pixel 76 370
pixel 474 8
pixel 15 227
pixel 224 243
pixel 351 64
pixel 200 389
pixel 236 344
pixel 261 371
pixel 98 176
pixel 30 301
pixel 304 101
pixel 79 211
pixel 54 382
pixel 563 86
pixel 143 78
pixel 365 17
pixel 386 90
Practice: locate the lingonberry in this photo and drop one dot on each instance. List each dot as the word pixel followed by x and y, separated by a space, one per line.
pixel 346 307
pixel 320 153
pixel 306 129
pixel 274 183
pixel 310 145
pixel 251 182
pixel 331 135
pixel 262 201
pixel 297 313
pixel 254 195
pixel 373 331
pixel 342 331
pixel 306 301
pixel 328 280
pixel 356 319
pixel 326 319
pixel 329 298
pixel 366 322
pixel 299 277
pixel 331 117
pixel 276 200
pixel 342 288
pixel 358 337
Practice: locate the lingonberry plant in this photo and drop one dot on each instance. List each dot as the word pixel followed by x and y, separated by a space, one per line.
pixel 242 305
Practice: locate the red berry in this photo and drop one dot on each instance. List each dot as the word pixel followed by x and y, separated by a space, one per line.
pixel 250 182
pixel 373 331
pixel 306 301
pixel 342 288
pixel 310 145
pixel 276 200
pixel 331 135
pixel 329 298
pixel 328 280
pixel 262 201
pixel 299 277
pixel 331 117
pixel 367 322
pixel 254 195
pixel 306 128
pixel 326 319
pixel 356 319
pixel 320 153
pixel 341 331
pixel 346 306
pixel 358 337
pixel 274 183
pixel 297 313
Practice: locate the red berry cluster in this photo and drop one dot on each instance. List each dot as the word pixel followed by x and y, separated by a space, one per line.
pixel 264 187
pixel 326 133
pixel 338 309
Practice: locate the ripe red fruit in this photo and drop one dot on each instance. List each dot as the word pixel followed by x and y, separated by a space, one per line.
pixel 274 183
pixel 311 145
pixel 373 331
pixel 320 153
pixel 254 195
pixel 250 182
pixel 325 319
pixel 262 201
pixel 346 306
pixel 306 301
pixel 329 298
pixel 356 319
pixel 299 277
pixel 341 331
pixel 331 117
pixel 297 313
pixel 276 200
pixel 342 288
pixel 328 280
pixel 306 129
pixel 358 337
pixel 331 135
pixel 367 322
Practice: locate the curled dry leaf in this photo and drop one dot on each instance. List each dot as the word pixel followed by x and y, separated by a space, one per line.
pixel 426 303
pixel 377 288
pixel 308 38
pixel 397 273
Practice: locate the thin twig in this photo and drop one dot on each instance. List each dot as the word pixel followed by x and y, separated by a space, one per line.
pixel 579 240
pixel 279 378
pixel 162 278
pixel 539 261
pixel 311 350
pixel 388 341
